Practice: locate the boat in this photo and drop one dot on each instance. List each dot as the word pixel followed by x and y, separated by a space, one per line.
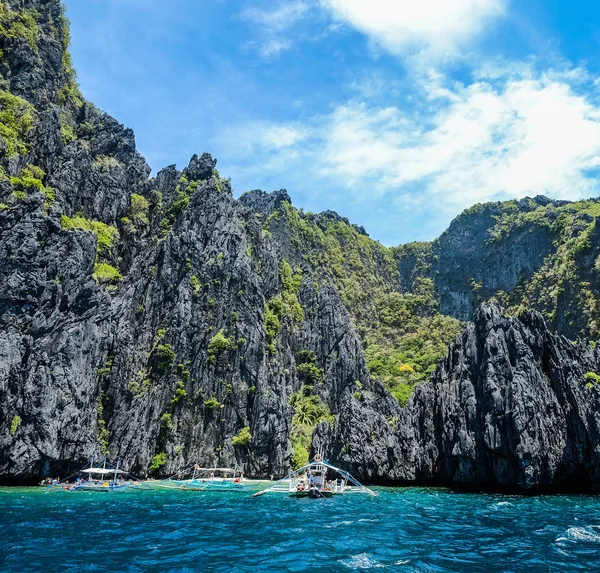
pixel 317 479
pixel 208 479
pixel 103 478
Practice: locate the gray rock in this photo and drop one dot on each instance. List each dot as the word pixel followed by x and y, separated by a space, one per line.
pixel 509 407
pixel 127 369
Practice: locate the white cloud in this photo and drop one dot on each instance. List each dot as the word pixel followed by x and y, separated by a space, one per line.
pixel 439 26
pixel 261 137
pixel 505 136
pixel 505 139
pixel 277 20
pixel 273 47
pixel 273 25
pixel 281 136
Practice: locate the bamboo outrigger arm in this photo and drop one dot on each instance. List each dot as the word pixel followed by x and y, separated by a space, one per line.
pixel 287 484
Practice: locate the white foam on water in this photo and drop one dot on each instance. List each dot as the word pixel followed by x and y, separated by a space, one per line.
pixel 588 534
pixel 338 524
pixel 362 561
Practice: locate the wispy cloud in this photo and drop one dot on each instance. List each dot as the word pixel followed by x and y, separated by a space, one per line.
pixel 509 134
pixel 437 27
pixel 273 25
pixel 490 141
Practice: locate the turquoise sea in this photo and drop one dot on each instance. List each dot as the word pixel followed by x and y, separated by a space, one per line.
pixel 408 530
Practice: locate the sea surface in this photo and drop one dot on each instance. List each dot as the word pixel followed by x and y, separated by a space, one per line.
pixel 408 530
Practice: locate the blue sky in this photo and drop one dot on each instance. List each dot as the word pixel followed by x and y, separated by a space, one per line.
pixel 397 114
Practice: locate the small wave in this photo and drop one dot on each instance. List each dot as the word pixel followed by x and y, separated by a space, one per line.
pixel 339 524
pixel 362 561
pixel 589 534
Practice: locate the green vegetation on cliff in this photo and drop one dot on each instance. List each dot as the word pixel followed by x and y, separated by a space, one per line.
pixel 14 424
pixel 405 354
pixel 309 411
pixel 339 253
pixel 31 179
pixel 105 273
pixel 17 118
pixel 17 24
pixel 404 335
pixel 107 234
pixel 565 288
pixel 158 461
pixel 243 438
pixel 284 306
pixel 219 344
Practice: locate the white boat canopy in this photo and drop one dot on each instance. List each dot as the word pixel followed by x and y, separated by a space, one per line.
pixel 103 471
pixel 216 470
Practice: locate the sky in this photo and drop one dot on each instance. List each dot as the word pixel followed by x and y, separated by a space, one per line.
pixel 397 114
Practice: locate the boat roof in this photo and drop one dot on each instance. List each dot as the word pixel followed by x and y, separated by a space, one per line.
pixel 216 470
pixel 314 463
pixel 104 471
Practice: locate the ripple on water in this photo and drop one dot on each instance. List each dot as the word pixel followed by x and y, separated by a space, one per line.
pixel 405 530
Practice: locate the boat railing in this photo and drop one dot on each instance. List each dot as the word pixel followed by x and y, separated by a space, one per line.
pixel 292 481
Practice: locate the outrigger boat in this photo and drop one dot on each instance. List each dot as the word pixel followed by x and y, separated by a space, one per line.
pixel 104 478
pixel 207 479
pixel 317 479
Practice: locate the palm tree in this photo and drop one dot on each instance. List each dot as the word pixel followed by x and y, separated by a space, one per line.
pixel 307 413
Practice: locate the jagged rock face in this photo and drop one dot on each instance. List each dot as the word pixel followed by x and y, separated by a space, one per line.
pixel 266 203
pixel 72 350
pixel 531 253
pixel 88 367
pixel 508 407
pixel 512 406
pixel 472 266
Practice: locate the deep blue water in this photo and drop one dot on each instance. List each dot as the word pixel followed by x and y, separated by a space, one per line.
pixel 401 530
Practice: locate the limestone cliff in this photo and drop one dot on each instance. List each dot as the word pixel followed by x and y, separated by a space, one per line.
pixel 161 320
pixel 512 405
pixel 533 253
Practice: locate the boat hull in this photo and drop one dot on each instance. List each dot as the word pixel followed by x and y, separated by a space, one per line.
pixel 314 494
pixel 98 488
pixel 205 485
